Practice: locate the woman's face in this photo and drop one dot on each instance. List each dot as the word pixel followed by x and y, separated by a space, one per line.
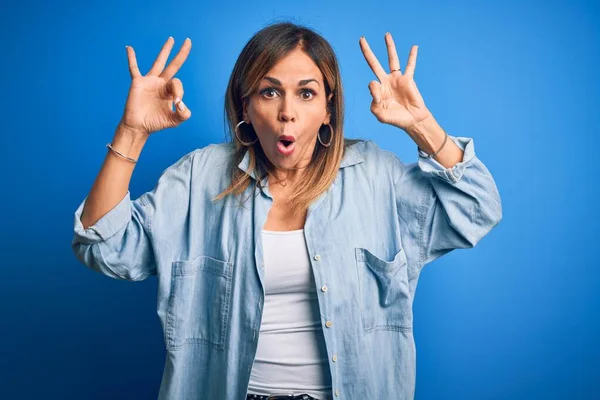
pixel 290 101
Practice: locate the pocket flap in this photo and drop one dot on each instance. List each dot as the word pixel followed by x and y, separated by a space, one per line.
pixel 205 263
pixel 364 255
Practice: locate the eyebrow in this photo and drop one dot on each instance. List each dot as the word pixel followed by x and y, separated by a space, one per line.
pixel 300 83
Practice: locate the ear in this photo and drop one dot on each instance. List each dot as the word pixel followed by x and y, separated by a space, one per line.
pixel 328 117
pixel 245 113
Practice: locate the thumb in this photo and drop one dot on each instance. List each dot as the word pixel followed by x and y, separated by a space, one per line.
pixel 182 112
pixel 375 89
pixel 174 90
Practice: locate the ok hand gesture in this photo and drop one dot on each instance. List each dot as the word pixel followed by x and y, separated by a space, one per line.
pixel 149 105
pixel 396 99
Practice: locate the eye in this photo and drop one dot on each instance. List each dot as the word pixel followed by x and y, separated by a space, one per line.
pixel 310 93
pixel 267 90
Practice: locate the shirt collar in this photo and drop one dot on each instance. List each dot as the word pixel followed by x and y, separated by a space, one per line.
pixel 351 156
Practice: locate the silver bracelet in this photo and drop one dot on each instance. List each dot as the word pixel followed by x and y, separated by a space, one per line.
pixel 121 155
pixel 440 149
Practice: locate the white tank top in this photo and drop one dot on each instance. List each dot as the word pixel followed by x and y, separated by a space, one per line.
pixel 291 357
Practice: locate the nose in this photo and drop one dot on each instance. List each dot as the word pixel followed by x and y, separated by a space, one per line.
pixel 286 110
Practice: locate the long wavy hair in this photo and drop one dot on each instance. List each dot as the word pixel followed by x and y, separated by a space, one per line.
pixel 260 54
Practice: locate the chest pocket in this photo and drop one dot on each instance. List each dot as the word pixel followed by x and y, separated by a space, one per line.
pixel 384 292
pixel 198 308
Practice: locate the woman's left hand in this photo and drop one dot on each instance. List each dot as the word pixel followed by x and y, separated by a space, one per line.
pixel 396 99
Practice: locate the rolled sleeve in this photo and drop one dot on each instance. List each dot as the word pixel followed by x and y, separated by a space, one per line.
pixel 445 208
pixel 109 224
pixel 121 244
pixel 118 244
pixel 455 173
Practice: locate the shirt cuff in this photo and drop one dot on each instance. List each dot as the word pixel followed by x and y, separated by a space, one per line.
pixel 453 174
pixel 109 224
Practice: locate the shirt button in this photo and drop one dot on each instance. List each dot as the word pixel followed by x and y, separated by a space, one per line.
pixel 328 324
pixel 323 288
pixel 317 257
pixel 337 392
pixel 334 358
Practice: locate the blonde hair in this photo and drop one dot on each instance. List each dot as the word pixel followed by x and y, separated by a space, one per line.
pixel 260 54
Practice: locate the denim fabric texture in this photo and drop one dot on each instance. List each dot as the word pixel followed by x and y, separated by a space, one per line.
pixel 368 237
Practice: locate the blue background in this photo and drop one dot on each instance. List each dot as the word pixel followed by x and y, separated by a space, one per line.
pixel 517 317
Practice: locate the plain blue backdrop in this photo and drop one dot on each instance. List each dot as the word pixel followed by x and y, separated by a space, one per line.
pixel 517 317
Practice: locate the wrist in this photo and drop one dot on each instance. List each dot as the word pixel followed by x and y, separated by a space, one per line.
pixel 129 141
pixel 127 130
pixel 427 134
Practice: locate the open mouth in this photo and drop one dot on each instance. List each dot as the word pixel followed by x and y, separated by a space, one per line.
pixel 285 147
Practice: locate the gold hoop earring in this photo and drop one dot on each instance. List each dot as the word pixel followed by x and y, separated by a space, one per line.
pixel 238 138
pixel 330 138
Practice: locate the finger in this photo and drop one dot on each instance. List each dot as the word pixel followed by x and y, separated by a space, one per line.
pixel 375 89
pixel 133 67
pixel 178 60
pixel 174 89
pixel 412 61
pixel 182 112
pixel 392 54
pixel 163 56
pixel 372 60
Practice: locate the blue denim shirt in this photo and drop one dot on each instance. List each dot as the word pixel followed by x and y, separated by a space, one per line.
pixel 368 237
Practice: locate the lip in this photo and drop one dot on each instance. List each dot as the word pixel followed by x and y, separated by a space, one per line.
pixel 287 137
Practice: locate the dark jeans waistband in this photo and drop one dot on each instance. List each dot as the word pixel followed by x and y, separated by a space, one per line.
pixel 280 397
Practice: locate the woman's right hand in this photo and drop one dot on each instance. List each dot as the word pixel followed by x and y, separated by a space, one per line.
pixel 149 106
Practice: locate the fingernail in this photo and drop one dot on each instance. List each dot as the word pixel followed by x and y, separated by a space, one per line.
pixel 181 106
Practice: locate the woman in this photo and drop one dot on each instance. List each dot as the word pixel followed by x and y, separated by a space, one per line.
pixel 288 258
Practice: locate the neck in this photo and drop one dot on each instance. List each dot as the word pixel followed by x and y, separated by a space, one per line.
pixel 285 179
